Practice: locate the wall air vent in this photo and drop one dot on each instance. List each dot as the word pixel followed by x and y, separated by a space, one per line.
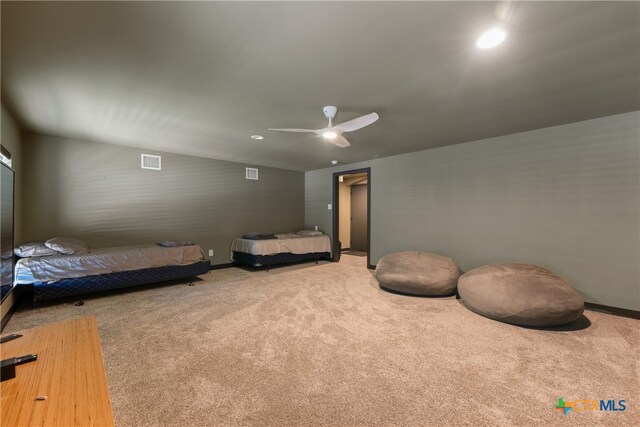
pixel 252 173
pixel 149 161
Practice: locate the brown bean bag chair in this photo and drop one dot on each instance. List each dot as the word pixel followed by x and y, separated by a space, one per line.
pixel 521 294
pixel 418 273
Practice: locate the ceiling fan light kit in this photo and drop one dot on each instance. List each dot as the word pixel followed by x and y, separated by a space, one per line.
pixel 330 112
pixel 332 133
pixel 491 38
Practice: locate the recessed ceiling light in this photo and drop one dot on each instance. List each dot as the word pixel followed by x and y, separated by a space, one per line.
pixel 329 135
pixel 334 162
pixel 257 137
pixel 491 38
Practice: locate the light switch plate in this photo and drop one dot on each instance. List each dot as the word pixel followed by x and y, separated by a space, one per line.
pixel 329 206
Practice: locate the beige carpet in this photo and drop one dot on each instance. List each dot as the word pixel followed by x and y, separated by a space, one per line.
pixel 323 345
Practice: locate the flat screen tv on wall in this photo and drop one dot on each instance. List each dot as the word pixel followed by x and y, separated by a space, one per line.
pixel 6 220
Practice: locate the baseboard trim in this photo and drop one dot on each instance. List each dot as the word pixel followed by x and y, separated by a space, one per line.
pixel 221 266
pixel 7 317
pixel 623 312
pixel 616 311
pixel 16 295
pixel 345 249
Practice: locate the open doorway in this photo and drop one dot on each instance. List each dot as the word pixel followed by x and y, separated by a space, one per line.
pixel 352 213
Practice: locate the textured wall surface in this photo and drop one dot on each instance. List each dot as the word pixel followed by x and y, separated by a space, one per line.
pixel 99 193
pixel 565 197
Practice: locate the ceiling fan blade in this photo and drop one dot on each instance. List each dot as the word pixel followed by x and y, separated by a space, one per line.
pixel 358 123
pixel 295 130
pixel 340 141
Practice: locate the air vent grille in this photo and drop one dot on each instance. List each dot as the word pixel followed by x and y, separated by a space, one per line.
pixel 252 173
pixel 149 161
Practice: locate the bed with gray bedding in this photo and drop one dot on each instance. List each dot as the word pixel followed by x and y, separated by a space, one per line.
pixel 264 250
pixel 108 268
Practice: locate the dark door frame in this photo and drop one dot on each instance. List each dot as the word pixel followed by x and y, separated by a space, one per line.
pixel 336 210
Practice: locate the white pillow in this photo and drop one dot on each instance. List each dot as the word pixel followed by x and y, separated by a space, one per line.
pixel 67 245
pixel 30 249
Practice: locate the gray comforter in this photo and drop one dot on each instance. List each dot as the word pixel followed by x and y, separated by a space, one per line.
pixel 105 260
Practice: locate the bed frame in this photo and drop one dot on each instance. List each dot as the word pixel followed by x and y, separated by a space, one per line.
pixel 243 258
pixel 121 279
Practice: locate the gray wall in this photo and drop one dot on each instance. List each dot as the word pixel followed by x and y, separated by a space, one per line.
pixel 98 193
pixel 11 139
pixel 565 197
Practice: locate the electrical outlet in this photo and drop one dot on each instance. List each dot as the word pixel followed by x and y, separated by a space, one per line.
pixel 210 252
pixel 316 228
pixel 329 206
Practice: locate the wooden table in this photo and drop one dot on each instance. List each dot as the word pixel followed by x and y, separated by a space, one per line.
pixel 69 372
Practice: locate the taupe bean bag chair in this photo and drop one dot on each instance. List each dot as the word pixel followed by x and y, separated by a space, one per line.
pixel 521 294
pixel 418 273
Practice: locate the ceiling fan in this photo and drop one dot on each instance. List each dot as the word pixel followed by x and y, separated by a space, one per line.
pixel 333 134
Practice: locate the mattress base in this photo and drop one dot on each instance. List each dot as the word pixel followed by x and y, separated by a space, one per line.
pixel 121 279
pixel 243 258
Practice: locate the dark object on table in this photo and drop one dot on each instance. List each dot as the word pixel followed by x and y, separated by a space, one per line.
pixel 9 337
pixel 8 370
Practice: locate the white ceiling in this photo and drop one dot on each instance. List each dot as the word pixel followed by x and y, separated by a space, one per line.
pixel 199 78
